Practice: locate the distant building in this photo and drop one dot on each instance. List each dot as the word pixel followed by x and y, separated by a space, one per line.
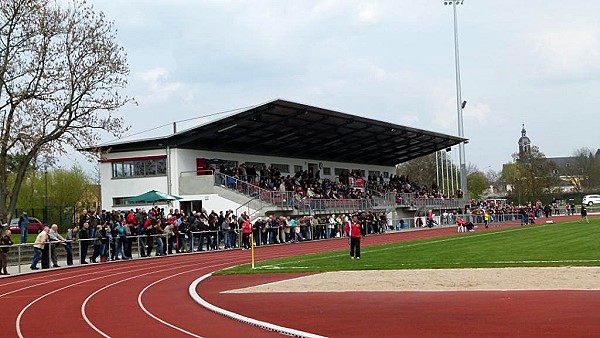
pixel 566 168
pixel 524 142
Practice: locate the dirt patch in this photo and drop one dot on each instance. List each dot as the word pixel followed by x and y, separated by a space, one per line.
pixel 551 278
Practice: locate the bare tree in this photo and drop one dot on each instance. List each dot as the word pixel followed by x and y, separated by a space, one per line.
pixel 60 74
pixel 583 172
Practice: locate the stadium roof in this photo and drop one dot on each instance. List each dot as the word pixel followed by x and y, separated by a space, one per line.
pixel 288 129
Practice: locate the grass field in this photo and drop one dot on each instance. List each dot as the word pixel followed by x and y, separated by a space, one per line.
pixel 559 244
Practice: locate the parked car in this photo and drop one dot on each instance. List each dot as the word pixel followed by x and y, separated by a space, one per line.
pixel 35 226
pixel 591 199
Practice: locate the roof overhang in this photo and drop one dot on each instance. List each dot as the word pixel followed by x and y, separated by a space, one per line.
pixel 293 130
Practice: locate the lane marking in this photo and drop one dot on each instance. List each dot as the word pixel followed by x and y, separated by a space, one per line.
pixel 269 326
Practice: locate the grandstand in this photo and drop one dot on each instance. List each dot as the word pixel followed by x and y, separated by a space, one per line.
pixel 278 157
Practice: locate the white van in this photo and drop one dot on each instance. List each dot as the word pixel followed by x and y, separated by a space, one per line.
pixel 591 199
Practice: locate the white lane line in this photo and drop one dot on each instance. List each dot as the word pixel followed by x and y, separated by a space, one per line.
pixel 22 312
pixel 408 245
pixel 86 301
pixel 18 321
pixel 244 319
pixel 141 294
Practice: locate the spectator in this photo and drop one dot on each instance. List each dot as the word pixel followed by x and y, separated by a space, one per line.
pixel 55 238
pixel 71 236
pixel 5 242
pixel 84 236
pixel 23 222
pixel 38 247
pixel 98 245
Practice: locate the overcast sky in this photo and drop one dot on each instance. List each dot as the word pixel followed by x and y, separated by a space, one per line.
pixel 535 62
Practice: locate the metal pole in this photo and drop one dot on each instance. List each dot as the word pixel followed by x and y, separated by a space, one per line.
pixel 437 170
pixel 452 165
pixel 442 173
pixel 46 194
pixel 459 102
pixel 456 169
pixel 447 174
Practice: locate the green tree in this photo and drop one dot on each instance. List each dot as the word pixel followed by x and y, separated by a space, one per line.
pixel 441 172
pixel 60 74
pixel 583 172
pixel 53 188
pixel 531 175
pixel 421 170
pixel 477 183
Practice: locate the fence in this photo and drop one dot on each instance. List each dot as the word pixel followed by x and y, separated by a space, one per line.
pixel 144 245
pixel 60 215
pixel 287 200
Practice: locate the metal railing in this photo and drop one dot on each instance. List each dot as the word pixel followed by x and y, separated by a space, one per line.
pixel 138 246
pixel 286 200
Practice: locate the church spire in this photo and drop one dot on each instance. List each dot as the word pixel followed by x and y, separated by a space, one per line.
pixel 524 142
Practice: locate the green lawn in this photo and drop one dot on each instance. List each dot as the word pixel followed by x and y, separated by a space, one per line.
pixel 16 238
pixel 560 244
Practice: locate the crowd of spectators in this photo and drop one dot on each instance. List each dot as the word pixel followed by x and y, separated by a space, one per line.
pixel 349 185
pixel 528 212
pixel 114 234
pixel 305 184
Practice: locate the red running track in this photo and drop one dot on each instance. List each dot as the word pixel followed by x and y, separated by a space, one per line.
pixel 149 298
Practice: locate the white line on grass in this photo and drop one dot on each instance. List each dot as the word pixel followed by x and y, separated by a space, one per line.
pixel 455 238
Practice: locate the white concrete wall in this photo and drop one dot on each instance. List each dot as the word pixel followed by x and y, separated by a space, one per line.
pixel 183 162
pixel 186 162
pixel 127 187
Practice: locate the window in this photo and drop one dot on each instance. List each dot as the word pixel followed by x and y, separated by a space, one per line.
pixel 283 168
pixel 360 172
pixel 257 165
pixel 297 168
pixel 139 168
pixel 374 173
pixel 119 201
pixel 339 171
pixel 386 174
pixel 327 171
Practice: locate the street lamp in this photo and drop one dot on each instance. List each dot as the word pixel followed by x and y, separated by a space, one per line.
pixel 460 104
pixel 46 193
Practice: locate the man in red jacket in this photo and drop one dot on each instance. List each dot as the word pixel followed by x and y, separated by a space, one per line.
pixel 354 231
pixel 246 231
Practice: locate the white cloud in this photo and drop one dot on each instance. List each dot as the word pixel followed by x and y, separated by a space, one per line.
pixel 566 51
pixel 409 119
pixel 370 12
pixel 159 88
pixel 478 111
pixel 446 117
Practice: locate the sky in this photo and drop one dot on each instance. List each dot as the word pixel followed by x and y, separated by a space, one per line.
pixel 534 62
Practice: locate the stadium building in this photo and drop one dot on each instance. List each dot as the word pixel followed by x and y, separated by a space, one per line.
pixel 283 135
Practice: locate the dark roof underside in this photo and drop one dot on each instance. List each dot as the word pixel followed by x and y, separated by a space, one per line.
pixel 287 129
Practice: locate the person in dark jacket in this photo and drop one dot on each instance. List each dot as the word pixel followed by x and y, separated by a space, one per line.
pixel 5 242
pixel 584 216
pixel 84 236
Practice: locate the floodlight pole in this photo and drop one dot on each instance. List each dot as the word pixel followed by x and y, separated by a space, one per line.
pixel 459 102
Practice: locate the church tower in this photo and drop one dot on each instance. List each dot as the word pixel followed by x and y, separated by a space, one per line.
pixel 524 142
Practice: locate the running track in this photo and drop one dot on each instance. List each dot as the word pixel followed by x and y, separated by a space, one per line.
pixel 149 298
